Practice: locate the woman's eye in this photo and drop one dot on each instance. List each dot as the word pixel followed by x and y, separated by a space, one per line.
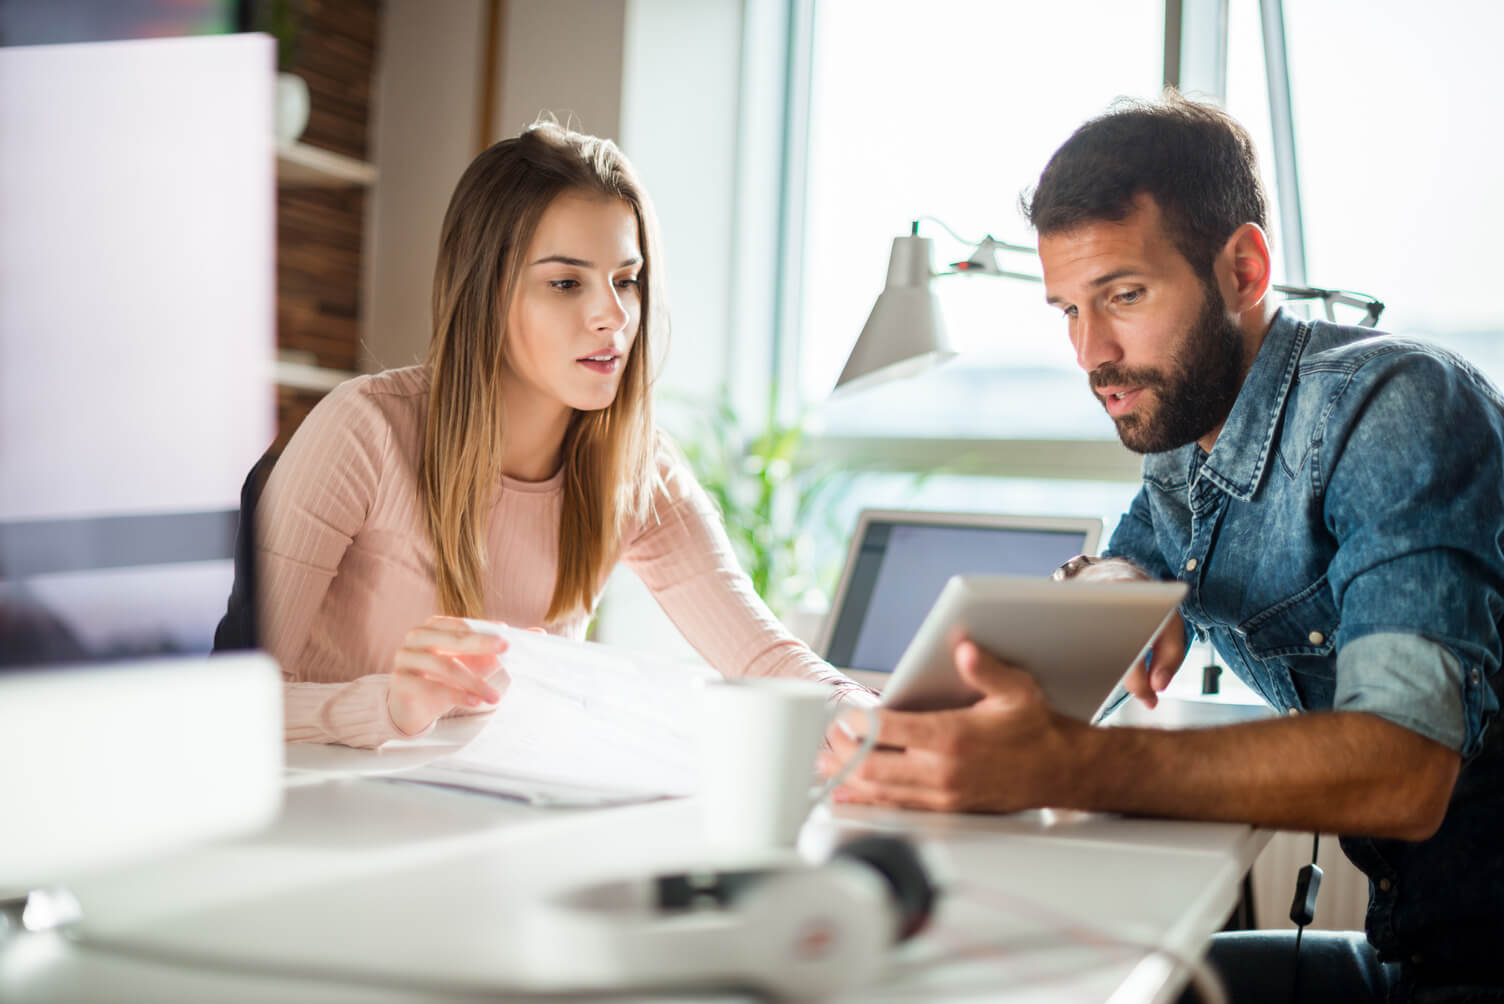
pixel 628 282
pixel 564 283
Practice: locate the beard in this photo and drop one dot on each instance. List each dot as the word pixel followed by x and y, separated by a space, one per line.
pixel 1194 395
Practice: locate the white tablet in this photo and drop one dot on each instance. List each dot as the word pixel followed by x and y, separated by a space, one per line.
pixel 1078 639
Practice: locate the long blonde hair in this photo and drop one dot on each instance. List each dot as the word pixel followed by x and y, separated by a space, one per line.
pixel 609 467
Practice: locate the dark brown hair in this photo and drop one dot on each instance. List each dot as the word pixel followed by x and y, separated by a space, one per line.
pixel 1193 159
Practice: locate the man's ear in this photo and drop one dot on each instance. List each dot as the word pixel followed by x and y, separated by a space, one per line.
pixel 1244 268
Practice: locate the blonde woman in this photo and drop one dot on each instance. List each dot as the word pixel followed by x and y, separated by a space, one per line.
pixel 504 478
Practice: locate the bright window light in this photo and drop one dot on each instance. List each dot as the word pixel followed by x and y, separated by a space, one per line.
pixel 951 109
pixel 1398 161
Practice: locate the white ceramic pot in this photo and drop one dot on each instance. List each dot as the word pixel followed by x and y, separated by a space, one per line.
pixel 292 106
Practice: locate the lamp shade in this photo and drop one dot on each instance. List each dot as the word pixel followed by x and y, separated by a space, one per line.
pixel 904 335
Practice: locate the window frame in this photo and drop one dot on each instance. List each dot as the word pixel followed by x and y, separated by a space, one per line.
pixel 1195 61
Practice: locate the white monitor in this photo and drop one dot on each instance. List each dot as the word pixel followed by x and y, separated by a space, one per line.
pixel 136 391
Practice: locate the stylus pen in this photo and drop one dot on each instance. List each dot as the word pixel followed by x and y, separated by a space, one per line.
pixel 1120 694
pixel 1115 700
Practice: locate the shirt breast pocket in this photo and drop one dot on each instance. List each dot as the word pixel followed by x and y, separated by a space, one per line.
pixel 1303 625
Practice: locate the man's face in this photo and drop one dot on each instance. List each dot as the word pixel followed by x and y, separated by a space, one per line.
pixel 1159 348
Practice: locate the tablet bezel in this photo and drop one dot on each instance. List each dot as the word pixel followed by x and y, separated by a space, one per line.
pixel 1037 625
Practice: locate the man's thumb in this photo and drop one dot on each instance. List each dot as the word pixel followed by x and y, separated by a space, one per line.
pixel 985 673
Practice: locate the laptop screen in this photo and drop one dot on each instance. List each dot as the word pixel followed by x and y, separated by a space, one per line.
pixel 900 567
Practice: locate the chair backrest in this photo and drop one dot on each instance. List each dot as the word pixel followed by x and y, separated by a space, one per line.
pixel 238 628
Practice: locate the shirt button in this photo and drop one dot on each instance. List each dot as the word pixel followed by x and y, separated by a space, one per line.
pixel 1316 637
pixel 1474 677
pixel 1190 565
pixel 1385 885
pixel 1293 712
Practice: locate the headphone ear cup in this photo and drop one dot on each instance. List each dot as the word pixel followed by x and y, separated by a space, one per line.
pixel 898 861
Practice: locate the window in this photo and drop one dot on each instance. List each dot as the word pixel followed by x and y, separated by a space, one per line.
pixel 1398 153
pixel 950 110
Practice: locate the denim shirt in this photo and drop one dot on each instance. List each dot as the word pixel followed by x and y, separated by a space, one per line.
pixel 1342 548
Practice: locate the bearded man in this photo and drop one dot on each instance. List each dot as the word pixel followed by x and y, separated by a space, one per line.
pixel 1334 500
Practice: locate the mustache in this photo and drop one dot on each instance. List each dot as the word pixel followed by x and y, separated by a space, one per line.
pixel 1108 375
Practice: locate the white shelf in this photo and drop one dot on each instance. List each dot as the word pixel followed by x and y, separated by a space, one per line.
pixel 303 376
pixel 301 165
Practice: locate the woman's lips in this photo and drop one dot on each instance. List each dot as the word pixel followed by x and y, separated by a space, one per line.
pixel 606 366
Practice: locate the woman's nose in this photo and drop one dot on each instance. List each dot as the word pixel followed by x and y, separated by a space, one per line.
pixel 608 312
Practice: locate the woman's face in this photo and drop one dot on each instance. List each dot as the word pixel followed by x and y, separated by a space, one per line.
pixel 575 311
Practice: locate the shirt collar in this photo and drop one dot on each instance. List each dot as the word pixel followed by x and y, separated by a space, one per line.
pixel 1241 453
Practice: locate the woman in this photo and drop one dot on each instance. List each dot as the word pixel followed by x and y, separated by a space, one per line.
pixel 505 477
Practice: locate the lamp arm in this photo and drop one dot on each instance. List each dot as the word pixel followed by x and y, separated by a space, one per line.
pixel 1372 308
pixel 999 274
pixel 1006 246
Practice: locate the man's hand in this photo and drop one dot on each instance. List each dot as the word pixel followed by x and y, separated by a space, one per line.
pixel 1156 668
pixel 1337 772
pixel 443 664
pixel 851 721
pixel 1009 751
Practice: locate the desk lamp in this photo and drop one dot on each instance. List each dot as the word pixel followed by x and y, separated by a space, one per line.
pixel 905 333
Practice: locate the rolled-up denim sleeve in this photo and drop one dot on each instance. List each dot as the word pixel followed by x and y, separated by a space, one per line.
pixel 1411 681
pixel 1414 496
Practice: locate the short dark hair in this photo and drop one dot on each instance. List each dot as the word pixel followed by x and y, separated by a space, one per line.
pixel 1194 159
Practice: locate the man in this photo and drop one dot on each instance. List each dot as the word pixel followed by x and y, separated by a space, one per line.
pixel 1335 502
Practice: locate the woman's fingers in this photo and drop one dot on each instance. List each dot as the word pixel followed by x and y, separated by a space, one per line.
pixel 435 696
pixel 447 670
pixel 443 663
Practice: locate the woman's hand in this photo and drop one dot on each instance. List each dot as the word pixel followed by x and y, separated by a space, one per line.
pixel 443 664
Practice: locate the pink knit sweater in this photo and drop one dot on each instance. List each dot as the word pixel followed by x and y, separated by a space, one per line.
pixel 346 567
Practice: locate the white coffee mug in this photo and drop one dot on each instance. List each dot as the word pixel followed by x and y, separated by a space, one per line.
pixel 759 741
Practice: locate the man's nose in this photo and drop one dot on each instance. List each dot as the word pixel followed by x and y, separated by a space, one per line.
pixel 1095 343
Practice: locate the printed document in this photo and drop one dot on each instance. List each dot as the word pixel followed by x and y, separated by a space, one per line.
pixel 580 724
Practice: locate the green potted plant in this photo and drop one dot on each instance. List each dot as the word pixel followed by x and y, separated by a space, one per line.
pixel 770 497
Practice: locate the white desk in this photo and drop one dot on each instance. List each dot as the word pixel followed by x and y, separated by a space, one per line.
pixel 422 889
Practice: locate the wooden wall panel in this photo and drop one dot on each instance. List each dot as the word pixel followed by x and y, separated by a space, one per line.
pixel 320 230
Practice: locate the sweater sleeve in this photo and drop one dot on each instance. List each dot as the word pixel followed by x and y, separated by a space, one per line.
pixel 317 498
pixel 684 557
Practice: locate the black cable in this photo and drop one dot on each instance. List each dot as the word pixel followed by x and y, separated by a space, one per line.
pixel 1303 908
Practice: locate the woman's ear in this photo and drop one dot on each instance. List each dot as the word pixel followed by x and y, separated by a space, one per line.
pixel 1244 268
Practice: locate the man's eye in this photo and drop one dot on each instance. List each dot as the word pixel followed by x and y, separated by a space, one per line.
pixel 1068 312
pixel 1129 296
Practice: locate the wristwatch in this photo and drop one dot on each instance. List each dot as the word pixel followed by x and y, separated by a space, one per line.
pixel 1071 567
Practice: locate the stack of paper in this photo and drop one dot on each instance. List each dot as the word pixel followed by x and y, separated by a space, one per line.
pixel 581 724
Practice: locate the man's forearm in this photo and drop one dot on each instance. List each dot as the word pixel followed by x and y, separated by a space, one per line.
pixel 1341 772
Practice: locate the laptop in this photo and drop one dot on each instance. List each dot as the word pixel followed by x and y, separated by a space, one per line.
pixel 899 560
